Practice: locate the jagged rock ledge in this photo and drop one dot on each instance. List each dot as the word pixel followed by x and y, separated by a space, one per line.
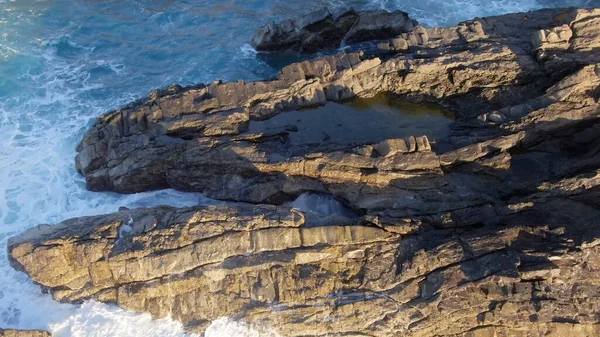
pixel 276 267
pixel 508 94
pixel 495 236
pixel 324 29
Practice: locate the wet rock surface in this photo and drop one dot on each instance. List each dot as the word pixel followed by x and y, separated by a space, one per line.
pixel 359 121
pixel 491 230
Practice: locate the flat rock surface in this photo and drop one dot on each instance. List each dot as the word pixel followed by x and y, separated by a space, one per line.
pixel 490 230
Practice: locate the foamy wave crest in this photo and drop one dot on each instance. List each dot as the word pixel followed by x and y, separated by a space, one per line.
pixel 248 51
pixel 39 125
pixel 226 327
pixel 94 319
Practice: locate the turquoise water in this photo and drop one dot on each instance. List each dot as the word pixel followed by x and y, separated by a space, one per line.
pixel 62 63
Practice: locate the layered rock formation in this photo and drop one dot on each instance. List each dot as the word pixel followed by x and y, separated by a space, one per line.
pixel 495 233
pixel 277 267
pixel 324 29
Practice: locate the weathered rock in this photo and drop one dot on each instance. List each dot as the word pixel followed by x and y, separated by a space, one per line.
pixel 492 232
pixel 470 67
pixel 24 333
pixel 280 268
pixel 322 30
pixel 391 147
pixel 194 139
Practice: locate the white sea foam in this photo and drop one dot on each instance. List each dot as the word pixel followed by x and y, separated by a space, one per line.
pixel 447 13
pixel 38 130
pixel 248 51
pixel 94 319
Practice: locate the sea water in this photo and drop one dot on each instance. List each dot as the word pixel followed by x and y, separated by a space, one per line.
pixel 63 63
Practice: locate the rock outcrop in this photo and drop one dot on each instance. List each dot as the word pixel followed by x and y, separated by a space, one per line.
pixel 277 267
pixel 196 139
pixel 324 29
pixel 24 333
pixel 493 231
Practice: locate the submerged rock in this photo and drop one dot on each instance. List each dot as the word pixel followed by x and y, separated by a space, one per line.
pixel 492 231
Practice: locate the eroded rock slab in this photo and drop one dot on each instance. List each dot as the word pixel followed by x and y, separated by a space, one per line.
pixel 492 231
pixel 481 67
pixel 279 268
pixel 324 29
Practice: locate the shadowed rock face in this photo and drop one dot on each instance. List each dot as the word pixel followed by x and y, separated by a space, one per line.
pixel 323 29
pixel 492 231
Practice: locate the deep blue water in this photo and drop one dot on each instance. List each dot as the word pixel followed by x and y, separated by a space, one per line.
pixel 62 63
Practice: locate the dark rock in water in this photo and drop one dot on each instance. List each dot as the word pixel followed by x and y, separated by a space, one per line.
pixel 291 128
pixel 490 229
pixel 23 333
pixel 322 30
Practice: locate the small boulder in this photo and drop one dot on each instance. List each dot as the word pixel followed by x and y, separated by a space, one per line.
pixel 391 147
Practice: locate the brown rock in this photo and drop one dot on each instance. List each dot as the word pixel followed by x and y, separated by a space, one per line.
pixel 494 234
pixel 23 333
pixel 280 268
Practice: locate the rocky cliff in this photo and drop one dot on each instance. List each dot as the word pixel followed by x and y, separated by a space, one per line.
pixel 491 231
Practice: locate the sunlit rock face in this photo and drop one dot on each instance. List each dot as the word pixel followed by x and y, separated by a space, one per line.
pixel 483 222
pixel 23 333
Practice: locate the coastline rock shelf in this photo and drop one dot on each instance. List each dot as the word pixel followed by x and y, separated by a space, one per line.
pixel 490 228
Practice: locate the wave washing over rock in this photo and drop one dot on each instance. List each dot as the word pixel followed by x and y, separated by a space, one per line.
pixel 60 71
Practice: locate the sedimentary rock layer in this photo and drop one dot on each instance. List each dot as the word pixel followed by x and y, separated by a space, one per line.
pixel 23 333
pixel 496 234
pixel 324 29
pixel 277 267
pixel 484 67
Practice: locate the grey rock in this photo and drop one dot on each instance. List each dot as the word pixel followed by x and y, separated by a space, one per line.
pixel 322 30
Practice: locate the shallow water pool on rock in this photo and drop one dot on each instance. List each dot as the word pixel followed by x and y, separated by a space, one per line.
pixel 361 121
